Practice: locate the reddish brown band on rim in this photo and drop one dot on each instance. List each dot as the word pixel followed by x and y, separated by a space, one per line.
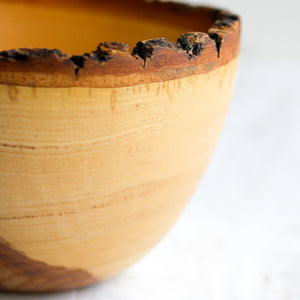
pixel 112 65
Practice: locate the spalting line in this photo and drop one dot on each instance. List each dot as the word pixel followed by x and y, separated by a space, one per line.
pixel 33 92
pixel 113 100
pixel 170 89
pixel 18 146
pixel 12 92
pixel 158 89
pixel 49 215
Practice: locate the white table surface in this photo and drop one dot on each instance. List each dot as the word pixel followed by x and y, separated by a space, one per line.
pixel 239 238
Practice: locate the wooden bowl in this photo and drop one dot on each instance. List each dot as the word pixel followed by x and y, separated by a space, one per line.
pixel 100 152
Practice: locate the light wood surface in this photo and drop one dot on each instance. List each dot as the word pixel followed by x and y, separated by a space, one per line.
pixel 100 152
pixel 92 178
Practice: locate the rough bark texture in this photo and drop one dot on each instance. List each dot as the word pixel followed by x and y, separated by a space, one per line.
pixel 150 61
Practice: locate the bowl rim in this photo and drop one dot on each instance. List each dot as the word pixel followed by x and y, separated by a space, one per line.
pixel 112 65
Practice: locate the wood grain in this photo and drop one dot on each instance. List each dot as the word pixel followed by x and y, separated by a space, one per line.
pixel 92 178
pixel 100 151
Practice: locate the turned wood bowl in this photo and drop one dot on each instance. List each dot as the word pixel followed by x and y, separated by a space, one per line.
pixel 100 151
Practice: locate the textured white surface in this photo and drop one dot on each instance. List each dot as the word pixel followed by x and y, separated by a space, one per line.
pixel 239 238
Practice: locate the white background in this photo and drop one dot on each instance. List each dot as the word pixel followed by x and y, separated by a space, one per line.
pixel 239 238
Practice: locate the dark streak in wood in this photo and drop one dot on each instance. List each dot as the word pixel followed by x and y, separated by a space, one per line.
pixel 19 273
pixel 33 92
pixel 48 215
pixel 113 100
pixel 158 90
pixel 18 146
pixel 12 92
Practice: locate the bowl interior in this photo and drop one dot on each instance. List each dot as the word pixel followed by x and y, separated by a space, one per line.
pixel 76 27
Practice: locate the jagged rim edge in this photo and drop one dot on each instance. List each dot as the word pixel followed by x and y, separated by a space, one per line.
pixel 224 23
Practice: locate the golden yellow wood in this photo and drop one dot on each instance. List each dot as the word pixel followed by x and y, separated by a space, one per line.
pixel 100 152
pixel 92 178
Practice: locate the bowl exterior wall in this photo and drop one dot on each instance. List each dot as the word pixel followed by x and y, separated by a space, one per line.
pixel 92 178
